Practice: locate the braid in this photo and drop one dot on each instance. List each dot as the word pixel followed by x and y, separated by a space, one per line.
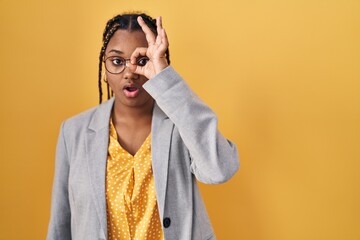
pixel 108 33
pixel 129 22
pixel 99 77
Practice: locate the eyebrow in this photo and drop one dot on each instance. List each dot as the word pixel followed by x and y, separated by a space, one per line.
pixel 116 51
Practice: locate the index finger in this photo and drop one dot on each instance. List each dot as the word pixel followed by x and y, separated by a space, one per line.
pixel 150 36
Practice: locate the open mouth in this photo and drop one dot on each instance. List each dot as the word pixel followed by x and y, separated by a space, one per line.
pixel 131 91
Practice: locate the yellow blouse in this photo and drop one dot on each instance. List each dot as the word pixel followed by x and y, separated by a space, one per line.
pixel 132 211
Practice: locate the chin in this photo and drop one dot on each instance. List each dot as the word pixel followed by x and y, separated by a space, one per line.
pixel 136 102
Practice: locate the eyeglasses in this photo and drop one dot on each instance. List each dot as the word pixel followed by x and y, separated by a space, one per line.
pixel 117 65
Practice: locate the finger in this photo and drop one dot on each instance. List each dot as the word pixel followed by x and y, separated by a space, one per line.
pixel 134 68
pixel 164 37
pixel 140 70
pixel 138 52
pixel 159 24
pixel 158 39
pixel 161 37
pixel 164 43
pixel 159 30
pixel 159 21
pixel 150 36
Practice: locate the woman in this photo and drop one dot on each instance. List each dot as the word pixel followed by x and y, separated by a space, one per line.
pixel 127 169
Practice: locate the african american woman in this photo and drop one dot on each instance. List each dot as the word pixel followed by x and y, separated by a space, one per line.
pixel 127 169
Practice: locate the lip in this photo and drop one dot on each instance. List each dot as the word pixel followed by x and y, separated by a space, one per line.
pixel 131 90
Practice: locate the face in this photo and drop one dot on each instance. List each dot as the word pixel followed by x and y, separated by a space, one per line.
pixel 127 86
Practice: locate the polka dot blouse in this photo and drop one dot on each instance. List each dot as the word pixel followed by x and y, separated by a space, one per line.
pixel 132 211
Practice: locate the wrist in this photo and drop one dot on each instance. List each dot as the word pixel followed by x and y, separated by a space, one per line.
pixel 160 65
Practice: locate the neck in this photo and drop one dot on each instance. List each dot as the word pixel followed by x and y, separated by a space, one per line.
pixel 132 115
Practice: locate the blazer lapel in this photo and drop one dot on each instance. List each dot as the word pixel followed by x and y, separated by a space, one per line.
pixel 161 130
pixel 96 149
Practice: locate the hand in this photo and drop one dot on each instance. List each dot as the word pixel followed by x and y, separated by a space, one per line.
pixel 157 45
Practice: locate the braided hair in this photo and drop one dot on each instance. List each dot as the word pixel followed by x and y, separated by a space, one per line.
pixel 127 21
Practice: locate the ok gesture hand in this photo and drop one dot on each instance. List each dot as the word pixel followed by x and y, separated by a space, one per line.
pixel 157 45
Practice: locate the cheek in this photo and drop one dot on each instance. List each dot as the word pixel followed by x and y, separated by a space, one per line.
pixel 143 79
pixel 111 80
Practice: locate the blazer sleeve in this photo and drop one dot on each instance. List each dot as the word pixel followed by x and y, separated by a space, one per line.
pixel 214 159
pixel 59 226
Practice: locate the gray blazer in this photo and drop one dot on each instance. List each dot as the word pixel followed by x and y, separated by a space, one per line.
pixel 186 145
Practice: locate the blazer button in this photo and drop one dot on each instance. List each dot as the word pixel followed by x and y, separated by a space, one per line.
pixel 166 222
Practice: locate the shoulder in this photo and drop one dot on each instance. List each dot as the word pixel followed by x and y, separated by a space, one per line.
pixel 79 122
pixel 81 118
pixel 94 117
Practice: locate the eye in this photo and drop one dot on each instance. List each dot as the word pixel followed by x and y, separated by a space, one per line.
pixel 118 61
pixel 142 61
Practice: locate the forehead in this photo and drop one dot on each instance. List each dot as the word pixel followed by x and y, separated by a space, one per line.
pixel 126 41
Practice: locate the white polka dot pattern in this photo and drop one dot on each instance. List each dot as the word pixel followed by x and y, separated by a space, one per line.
pixel 132 211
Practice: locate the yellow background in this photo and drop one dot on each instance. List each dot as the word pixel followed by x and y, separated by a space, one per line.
pixel 283 77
